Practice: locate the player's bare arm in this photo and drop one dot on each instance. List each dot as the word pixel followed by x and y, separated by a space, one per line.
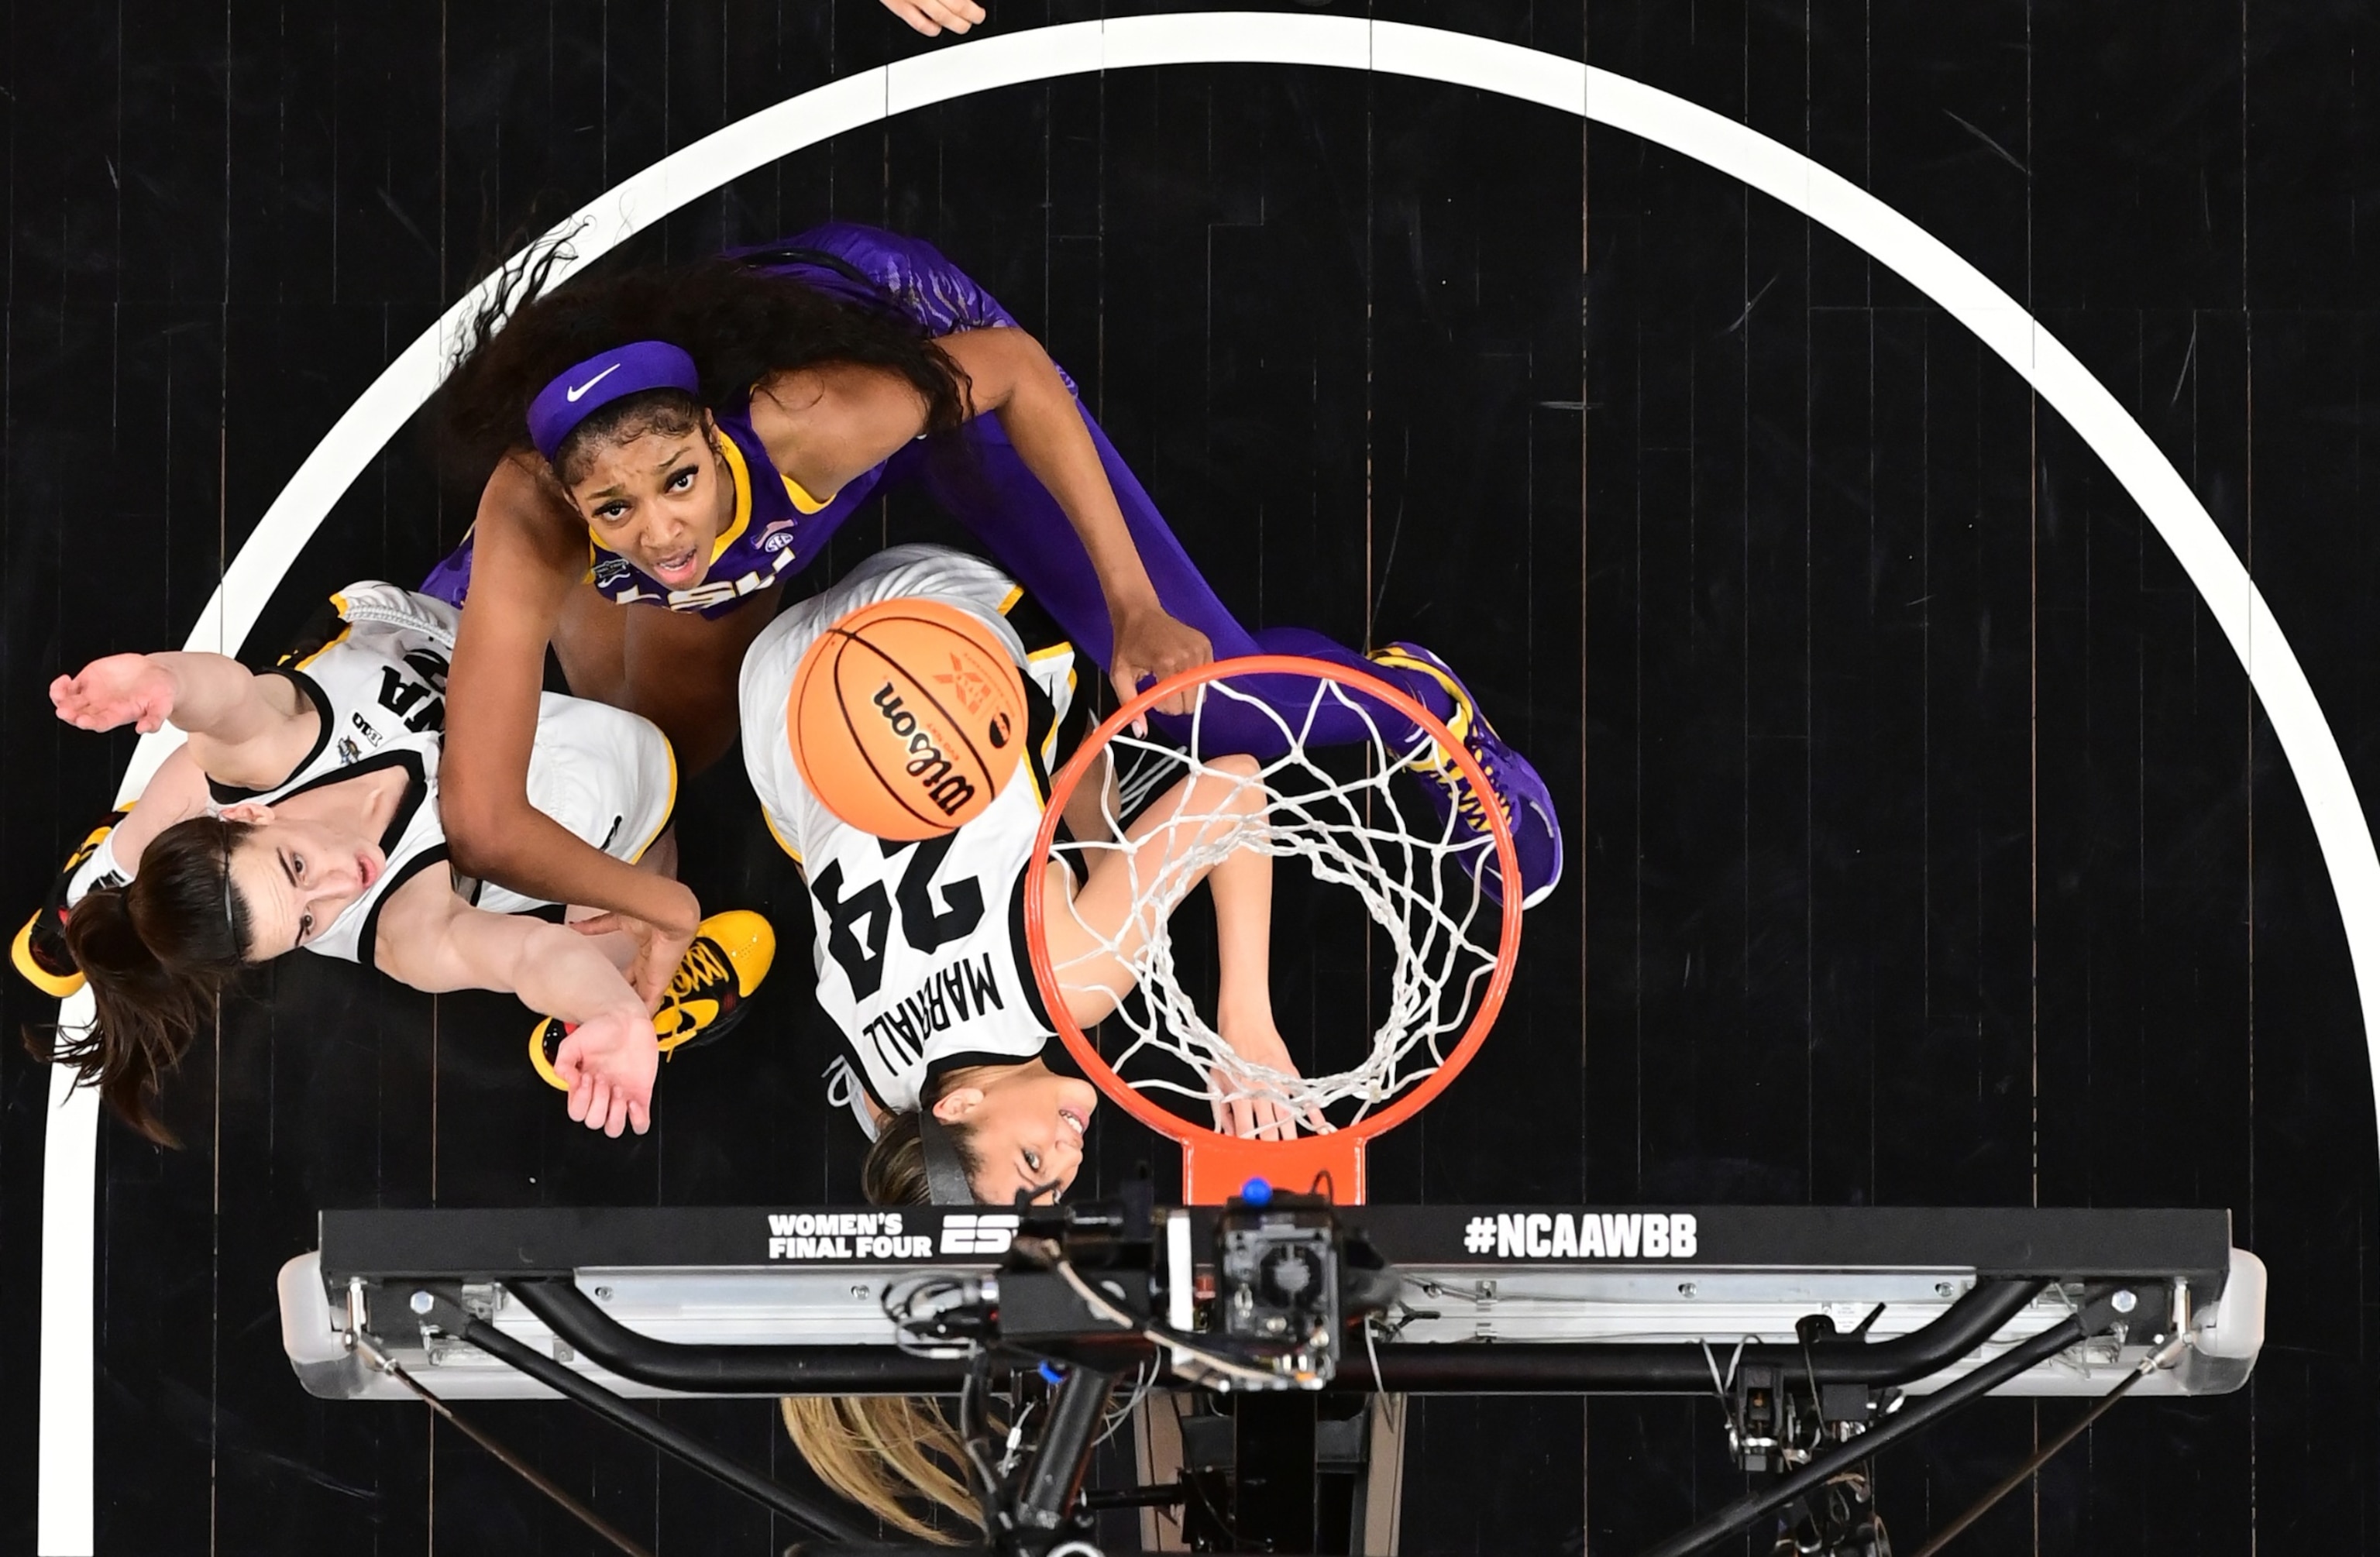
pixel 826 425
pixel 1097 932
pixel 433 941
pixel 177 789
pixel 1011 376
pixel 525 564
pixel 244 728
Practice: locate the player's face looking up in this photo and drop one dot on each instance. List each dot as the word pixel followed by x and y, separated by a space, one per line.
pixel 1024 1126
pixel 659 499
pixel 295 876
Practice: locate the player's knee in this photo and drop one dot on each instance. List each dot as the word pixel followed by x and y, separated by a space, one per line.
pixel 1233 776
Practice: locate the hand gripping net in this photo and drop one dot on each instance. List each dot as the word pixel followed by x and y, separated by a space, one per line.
pixel 1356 818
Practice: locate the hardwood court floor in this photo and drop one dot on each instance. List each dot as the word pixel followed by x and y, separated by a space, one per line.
pixel 1930 848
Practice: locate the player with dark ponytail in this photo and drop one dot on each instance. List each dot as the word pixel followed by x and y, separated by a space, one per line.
pixel 158 951
pixel 681 439
pixel 303 813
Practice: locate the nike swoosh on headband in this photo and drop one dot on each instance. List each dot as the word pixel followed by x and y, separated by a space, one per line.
pixel 573 394
pixel 600 379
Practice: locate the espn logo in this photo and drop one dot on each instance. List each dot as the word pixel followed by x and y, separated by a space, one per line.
pixel 968 1233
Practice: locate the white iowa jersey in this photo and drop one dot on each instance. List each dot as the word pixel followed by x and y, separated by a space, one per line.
pixel 919 947
pixel 376 674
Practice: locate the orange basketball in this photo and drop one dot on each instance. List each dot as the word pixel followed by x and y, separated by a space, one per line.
pixel 906 717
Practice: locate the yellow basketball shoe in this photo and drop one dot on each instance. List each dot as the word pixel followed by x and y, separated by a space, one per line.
pixel 38 952
pixel 731 955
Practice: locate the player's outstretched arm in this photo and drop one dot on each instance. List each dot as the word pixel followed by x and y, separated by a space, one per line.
pixel 431 940
pixel 1010 374
pixel 176 792
pixel 523 568
pixel 244 728
pixel 1095 939
pixel 1241 885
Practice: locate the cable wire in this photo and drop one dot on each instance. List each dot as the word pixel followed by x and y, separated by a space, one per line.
pixel 1125 1321
pixel 504 1456
pixel 2035 1349
pixel 1143 1378
pixel 2025 1472
pixel 987 1485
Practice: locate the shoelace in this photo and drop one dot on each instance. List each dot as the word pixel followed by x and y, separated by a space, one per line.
pixel 1467 802
pixel 702 964
pixel 1434 762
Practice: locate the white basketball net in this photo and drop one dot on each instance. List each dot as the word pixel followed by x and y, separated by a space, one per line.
pixel 1416 884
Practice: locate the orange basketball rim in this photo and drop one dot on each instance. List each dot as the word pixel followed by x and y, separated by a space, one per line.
pixel 1214 1165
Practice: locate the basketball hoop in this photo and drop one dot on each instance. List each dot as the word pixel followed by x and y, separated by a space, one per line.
pixel 1417 883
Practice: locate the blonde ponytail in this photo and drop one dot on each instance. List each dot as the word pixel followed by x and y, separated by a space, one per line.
pixel 883 1453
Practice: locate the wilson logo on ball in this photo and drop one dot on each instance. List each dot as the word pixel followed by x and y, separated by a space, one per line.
pixel 905 717
pixel 927 764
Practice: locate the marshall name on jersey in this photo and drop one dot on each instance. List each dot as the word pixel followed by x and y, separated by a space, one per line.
pixel 920 946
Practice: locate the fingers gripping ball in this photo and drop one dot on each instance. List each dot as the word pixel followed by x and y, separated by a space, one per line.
pixel 906 718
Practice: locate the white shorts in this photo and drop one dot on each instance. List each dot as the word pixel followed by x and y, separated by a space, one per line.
pixel 605 773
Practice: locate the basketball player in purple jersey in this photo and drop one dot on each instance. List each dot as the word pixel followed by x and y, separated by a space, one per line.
pixel 693 435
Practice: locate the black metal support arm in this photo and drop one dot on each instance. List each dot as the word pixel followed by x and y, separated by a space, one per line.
pixel 700 1369
pixel 2097 1315
pixel 1522 1367
pixel 603 1403
pixel 1559 1368
pixel 1064 1457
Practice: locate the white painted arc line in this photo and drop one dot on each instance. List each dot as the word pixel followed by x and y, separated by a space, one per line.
pixel 62 1467
pixel 2341 829
pixel 65 1519
pixel 407 383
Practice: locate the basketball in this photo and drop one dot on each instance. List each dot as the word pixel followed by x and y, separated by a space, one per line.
pixel 906 717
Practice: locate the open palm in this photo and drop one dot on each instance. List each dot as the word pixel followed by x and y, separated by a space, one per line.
pixel 609 1062
pixel 120 690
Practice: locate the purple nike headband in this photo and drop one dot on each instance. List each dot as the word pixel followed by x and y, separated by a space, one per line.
pixel 580 392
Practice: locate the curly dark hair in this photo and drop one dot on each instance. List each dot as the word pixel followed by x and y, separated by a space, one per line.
pixel 157 952
pixel 740 323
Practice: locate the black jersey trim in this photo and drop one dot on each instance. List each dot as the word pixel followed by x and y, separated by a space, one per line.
pixel 1033 624
pixel 1082 717
pixel 856 1065
pixel 1027 879
pixel 1040 717
pixel 368 936
pixel 470 889
pixel 417 789
pixel 326 626
pixel 227 794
